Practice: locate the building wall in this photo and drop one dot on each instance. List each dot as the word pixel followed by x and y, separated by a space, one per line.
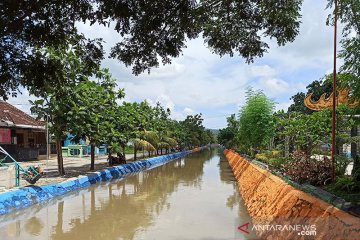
pixel 25 144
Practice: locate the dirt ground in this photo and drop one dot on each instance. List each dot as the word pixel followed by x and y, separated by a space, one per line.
pixel 74 167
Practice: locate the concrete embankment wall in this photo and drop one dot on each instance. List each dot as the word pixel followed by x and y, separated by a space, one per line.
pixel 27 196
pixel 271 201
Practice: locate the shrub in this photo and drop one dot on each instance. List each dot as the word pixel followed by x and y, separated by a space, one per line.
pixel 268 155
pixel 344 183
pixel 278 162
pixel 262 157
pixel 276 153
pixel 341 164
pixel 301 168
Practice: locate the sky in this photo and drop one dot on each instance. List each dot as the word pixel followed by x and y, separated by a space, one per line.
pixel 201 82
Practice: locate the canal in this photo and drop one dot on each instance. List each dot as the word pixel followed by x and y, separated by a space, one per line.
pixel 194 197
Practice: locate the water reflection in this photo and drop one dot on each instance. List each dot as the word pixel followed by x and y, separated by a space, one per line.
pixel 143 206
pixel 34 226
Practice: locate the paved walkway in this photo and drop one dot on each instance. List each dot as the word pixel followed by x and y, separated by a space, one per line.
pixel 74 167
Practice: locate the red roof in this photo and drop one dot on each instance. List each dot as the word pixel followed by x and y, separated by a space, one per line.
pixel 11 115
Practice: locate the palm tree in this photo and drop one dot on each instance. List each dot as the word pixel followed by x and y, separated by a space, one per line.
pixel 140 144
pixel 169 143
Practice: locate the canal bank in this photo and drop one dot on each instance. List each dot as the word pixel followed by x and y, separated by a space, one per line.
pixel 192 197
pixel 276 207
pixel 27 196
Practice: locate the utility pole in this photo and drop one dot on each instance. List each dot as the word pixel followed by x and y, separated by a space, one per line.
pixel 333 147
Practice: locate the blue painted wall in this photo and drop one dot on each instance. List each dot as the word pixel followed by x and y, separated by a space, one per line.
pixel 27 196
pixel 68 141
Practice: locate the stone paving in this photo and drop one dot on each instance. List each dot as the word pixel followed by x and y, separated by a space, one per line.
pixel 74 167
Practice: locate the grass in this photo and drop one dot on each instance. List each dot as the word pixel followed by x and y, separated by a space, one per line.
pixel 129 150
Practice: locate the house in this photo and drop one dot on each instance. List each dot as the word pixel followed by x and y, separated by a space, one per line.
pixel 80 148
pixel 22 136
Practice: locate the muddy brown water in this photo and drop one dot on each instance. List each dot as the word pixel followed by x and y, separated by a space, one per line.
pixel 195 197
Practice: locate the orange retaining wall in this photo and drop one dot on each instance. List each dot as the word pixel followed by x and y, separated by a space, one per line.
pixel 271 201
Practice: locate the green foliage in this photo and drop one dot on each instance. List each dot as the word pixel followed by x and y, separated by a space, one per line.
pixel 233 26
pixel 317 88
pixel 129 149
pixel 193 129
pixel 348 13
pixel 341 164
pixel 256 121
pixel 114 148
pixel 272 158
pixel 93 112
pixel 278 162
pixel 306 131
pixel 344 184
pixel 56 103
pixel 298 105
pixel 227 136
pixel 149 32
pixel 262 157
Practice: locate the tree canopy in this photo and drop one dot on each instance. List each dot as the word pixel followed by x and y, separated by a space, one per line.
pixel 256 123
pixel 349 15
pixel 150 32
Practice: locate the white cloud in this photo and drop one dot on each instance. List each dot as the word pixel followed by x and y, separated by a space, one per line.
pixel 263 71
pixel 274 86
pixel 22 101
pixel 165 101
pixel 313 47
pixel 283 106
pixel 199 81
pixel 168 71
pixel 188 111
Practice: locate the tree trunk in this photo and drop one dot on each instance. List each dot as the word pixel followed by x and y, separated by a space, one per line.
pixel 356 168
pixel 110 158
pixel 123 148
pixel 92 155
pixel 286 146
pixel 60 157
pixel 135 150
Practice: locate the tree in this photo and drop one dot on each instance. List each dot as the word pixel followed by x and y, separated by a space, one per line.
pixel 317 88
pixel 150 32
pixel 27 28
pixel 55 101
pixel 127 122
pixel 348 13
pixel 160 122
pixel 227 136
pixel 178 133
pixel 139 119
pixel 193 128
pixel 256 121
pixel 93 112
pixel 306 131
